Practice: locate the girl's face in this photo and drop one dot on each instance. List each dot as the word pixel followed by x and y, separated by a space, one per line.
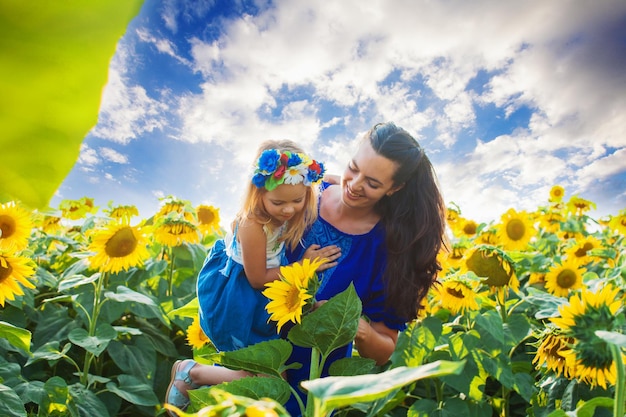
pixel 367 178
pixel 285 201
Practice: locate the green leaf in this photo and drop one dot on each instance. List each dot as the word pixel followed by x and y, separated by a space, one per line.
pixel 96 343
pixel 423 408
pixel 332 325
pixel 133 390
pixel 49 352
pixel 53 67
pixel 615 338
pixel 188 310
pixel 56 397
pixel 125 294
pixel 251 387
pixel 355 365
pixel 264 358
pixel 10 403
pixel 489 325
pixel 339 391
pixel 417 342
pixel 138 360
pixel 547 303
pixel 77 280
pixel 18 337
pixel 87 403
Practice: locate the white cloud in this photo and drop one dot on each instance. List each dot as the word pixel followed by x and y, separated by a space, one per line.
pixel 113 156
pixel 88 156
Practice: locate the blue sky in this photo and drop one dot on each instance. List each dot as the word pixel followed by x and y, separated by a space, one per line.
pixel 507 98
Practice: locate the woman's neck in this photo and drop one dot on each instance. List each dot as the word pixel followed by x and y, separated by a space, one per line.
pixel 351 220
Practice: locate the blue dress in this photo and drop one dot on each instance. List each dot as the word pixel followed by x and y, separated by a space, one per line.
pixel 232 313
pixel 362 261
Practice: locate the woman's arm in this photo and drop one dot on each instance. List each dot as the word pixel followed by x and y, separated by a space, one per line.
pixel 374 340
pixel 253 242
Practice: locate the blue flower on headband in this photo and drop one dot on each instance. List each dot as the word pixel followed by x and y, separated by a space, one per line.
pixel 274 168
pixel 258 180
pixel 268 161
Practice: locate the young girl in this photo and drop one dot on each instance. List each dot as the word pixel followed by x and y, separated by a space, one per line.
pixel 280 204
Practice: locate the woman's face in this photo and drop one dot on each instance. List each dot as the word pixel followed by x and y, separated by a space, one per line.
pixel 367 178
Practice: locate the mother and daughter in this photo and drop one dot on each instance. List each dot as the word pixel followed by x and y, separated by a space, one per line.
pixel 380 227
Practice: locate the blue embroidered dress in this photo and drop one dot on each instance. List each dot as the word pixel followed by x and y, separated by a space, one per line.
pixel 232 313
pixel 362 262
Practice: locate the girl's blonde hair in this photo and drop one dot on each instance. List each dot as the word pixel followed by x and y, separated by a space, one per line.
pixel 253 209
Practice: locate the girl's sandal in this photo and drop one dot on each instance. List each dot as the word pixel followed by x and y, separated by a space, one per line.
pixel 173 395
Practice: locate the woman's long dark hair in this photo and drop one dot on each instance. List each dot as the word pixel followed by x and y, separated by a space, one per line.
pixel 413 217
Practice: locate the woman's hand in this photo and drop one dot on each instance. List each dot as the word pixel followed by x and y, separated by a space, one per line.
pixel 331 253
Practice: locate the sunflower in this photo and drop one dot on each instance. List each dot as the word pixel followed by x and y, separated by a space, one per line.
pixel 618 223
pixel 493 265
pixel 451 260
pixel 487 237
pixel 77 209
pixel 579 206
pixel 208 218
pixel 174 232
pixel 551 221
pixel 452 216
pixel 457 294
pixel 580 252
pixel 551 354
pixel 292 292
pixel 15 227
pixel 589 356
pixel 466 228
pixel 515 230
pixel 14 270
pixel 118 247
pixel 175 206
pixel 562 278
pixel 195 335
pixel 123 213
pixel 556 194
pixel 51 224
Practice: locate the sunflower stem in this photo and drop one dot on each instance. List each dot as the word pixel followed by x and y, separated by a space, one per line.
pixel 84 378
pixel 620 381
pixel 314 373
pixel 170 274
pixel 502 303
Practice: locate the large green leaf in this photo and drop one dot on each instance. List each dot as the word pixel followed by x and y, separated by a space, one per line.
pixel 18 337
pixel 96 343
pixel 53 66
pixel 334 392
pixel 133 390
pixel 332 325
pixel 10 404
pixel 263 358
pixel 256 388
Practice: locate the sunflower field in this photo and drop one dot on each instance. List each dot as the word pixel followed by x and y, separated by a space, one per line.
pixel 527 319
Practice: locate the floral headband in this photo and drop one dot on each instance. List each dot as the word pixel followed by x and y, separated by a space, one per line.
pixel 275 168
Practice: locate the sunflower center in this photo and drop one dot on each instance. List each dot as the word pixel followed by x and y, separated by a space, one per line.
pixel 490 267
pixel 206 216
pixel 470 228
pixel 515 229
pixel 566 278
pixel 292 299
pixel 121 244
pixel 455 293
pixel 7 226
pixel 5 271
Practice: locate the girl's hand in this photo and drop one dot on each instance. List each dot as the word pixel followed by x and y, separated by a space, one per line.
pixel 331 252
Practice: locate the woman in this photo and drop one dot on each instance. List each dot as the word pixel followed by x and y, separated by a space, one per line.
pixel 383 226
pixel 387 216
